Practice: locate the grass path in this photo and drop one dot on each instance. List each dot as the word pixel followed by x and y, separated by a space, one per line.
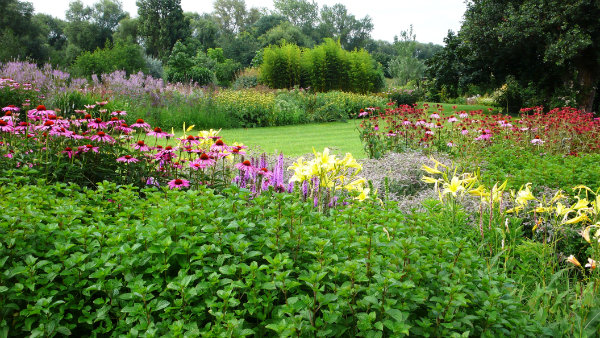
pixel 297 140
pixel 341 137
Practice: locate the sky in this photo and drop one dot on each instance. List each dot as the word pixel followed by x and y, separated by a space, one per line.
pixel 431 19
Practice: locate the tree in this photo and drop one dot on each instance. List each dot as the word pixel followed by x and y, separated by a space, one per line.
pixel 90 27
pixel 231 15
pixel 300 13
pixel 285 32
pixel 127 31
pixel 161 24
pixel 204 29
pixel 337 23
pixel 19 37
pixel 406 67
pixel 552 45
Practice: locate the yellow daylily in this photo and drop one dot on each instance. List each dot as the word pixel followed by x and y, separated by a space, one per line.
pixel 433 171
pixel 562 210
pixel 364 194
pixel 580 218
pixel 581 203
pixel 429 180
pixel 480 191
pixel 571 259
pixel 525 195
pixel 455 186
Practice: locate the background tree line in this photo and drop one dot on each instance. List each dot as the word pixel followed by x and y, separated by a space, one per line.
pixel 203 47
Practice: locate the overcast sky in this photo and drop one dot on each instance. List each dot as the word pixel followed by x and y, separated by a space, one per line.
pixel 431 19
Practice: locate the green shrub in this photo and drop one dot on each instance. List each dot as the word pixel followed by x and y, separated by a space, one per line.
pixel 404 96
pixel 127 57
pixel 116 261
pixel 325 67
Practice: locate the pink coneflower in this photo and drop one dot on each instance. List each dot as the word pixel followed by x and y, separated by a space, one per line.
pixel 464 131
pixel 537 141
pixel 190 140
pixel 391 133
pixel 178 183
pixel 46 126
pixel 90 106
pixel 363 113
pixel 238 150
pixel 245 166
pixel 119 112
pixel 463 115
pixel 115 121
pixel 69 151
pixel 203 161
pixel 102 137
pixel 158 132
pixel 97 124
pixel 87 148
pixel 10 107
pixel 124 128
pixel 140 145
pixel 452 119
pixel 79 111
pixel 428 132
pixel 450 144
pixel 406 122
pixel 219 146
pixel 6 127
pixel 434 116
pixel 127 159
pixel 140 124
pixel 264 172
pixel 102 103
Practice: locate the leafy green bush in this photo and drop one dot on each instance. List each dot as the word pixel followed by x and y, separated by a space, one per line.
pixel 403 96
pixel 127 57
pixel 325 67
pixel 107 262
pixel 281 67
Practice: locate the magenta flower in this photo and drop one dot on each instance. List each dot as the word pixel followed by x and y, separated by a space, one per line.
pixel 119 112
pixel 87 148
pixel 6 127
pixel 203 162
pixel 10 107
pixel 245 167
pixel 178 183
pixel 102 137
pixel 157 132
pixel 127 159
pixel 97 124
pixel 219 146
pixel 140 145
pixel 69 151
pixel 140 124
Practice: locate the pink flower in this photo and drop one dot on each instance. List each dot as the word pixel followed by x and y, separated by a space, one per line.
pixel 127 159
pixel 219 146
pixel 140 124
pixel 6 127
pixel 157 132
pixel 69 151
pixel 434 116
pixel 102 137
pixel 245 166
pixel 202 162
pixel 141 146
pixel 118 112
pixel 452 119
pixel 537 141
pixel 88 147
pixel 178 183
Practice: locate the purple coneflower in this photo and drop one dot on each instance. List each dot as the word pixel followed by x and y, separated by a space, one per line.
pixel 140 124
pixel 140 145
pixel 245 167
pixel 127 159
pixel 178 183
pixel 87 148
pixel 219 146
pixel 158 132
pixel 102 137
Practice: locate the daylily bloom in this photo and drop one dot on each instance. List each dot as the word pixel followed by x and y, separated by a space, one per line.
pixel 571 259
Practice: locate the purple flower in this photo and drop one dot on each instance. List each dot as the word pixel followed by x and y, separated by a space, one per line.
pixel 178 183
pixel 127 159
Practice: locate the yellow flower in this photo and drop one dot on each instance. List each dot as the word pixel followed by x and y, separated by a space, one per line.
pixel 356 184
pixel 455 186
pixel 562 210
pixel 480 191
pixel 433 171
pixel 581 218
pixel 586 234
pixel 581 203
pixel 364 194
pixel 571 259
pixel 524 195
pixel 429 180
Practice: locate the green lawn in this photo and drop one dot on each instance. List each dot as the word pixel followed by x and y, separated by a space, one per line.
pixel 341 137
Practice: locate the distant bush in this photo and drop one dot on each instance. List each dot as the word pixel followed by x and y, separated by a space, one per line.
pixel 401 96
pixel 323 68
pixel 127 57
pixel 246 79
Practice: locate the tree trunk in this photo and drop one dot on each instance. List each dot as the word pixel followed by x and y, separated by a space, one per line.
pixel 588 79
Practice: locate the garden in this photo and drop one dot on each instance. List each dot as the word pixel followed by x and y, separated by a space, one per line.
pixel 280 173
pixel 448 221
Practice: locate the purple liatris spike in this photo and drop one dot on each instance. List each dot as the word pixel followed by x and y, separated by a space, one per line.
pixel 305 189
pixel 316 201
pixel 290 187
